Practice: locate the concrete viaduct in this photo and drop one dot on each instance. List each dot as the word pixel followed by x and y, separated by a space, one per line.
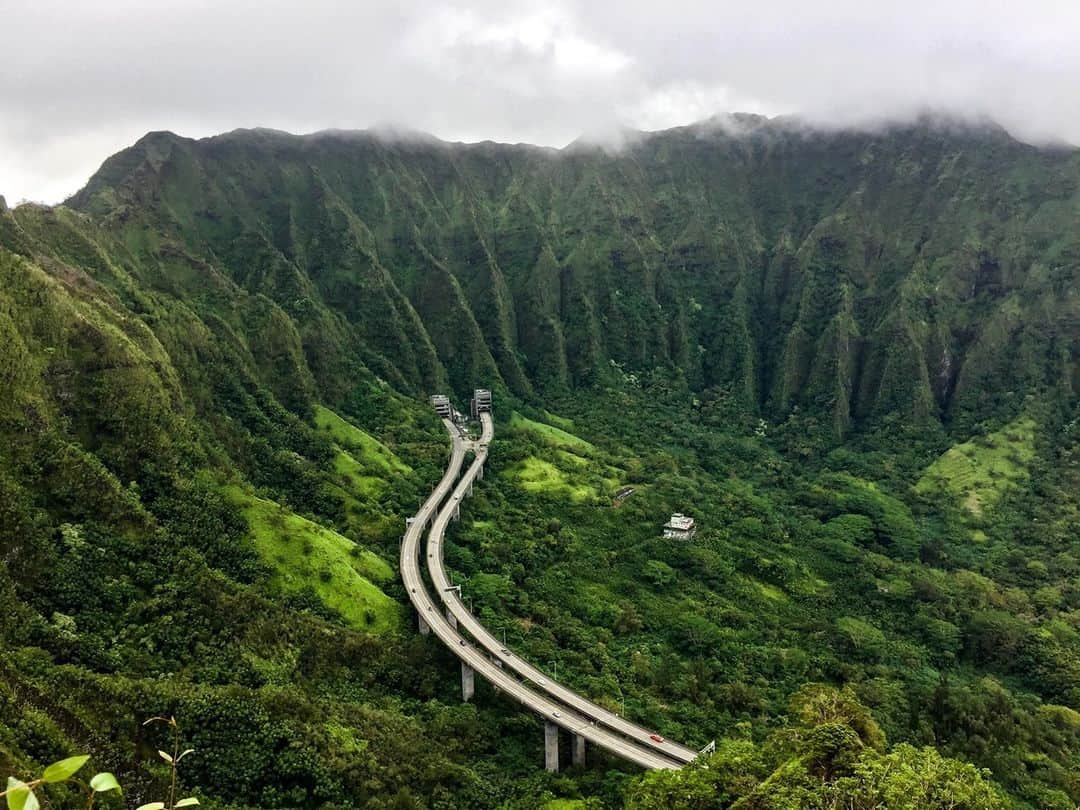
pixel 480 652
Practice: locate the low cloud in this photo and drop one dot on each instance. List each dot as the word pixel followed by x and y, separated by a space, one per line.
pixel 82 80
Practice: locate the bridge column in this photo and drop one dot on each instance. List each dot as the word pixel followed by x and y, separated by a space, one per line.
pixel 551 747
pixel 425 628
pixel 457 513
pixel 450 617
pixel 468 682
pixel 577 749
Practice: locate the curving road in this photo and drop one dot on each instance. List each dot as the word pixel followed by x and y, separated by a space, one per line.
pixel 498 650
pixel 475 657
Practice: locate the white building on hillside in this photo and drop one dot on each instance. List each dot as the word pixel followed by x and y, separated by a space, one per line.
pixel 680 527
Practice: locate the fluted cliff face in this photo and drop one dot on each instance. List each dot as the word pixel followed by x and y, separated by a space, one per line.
pixel 852 355
pixel 928 272
pixel 914 270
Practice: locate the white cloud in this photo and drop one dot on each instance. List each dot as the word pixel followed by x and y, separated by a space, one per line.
pixel 531 54
pixel 83 79
pixel 681 103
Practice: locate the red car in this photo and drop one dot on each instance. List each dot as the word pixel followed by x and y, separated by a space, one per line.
pixel 656 738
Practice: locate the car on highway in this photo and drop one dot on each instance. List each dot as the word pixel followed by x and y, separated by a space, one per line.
pixel 656 738
pixel 556 714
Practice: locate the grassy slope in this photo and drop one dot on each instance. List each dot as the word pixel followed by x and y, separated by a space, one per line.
pixel 365 450
pixel 567 467
pixel 979 471
pixel 537 475
pixel 551 434
pixel 304 554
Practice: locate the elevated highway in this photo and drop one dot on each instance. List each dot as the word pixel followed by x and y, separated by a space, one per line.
pixel 476 659
pixel 451 598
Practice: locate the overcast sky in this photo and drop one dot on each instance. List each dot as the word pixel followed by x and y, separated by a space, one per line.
pixel 81 79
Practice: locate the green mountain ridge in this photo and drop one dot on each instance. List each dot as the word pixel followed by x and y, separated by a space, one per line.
pixel 852 355
pixel 847 271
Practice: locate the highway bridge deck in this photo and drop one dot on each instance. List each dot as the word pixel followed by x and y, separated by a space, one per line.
pixel 555 703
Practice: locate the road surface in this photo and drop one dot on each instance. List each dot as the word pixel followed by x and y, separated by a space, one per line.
pixel 467 621
pixel 476 657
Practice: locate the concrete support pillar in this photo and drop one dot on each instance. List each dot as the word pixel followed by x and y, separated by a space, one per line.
pixel 425 628
pixel 481 473
pixel 457 513
pixel 578 749
pixel 450 617
pixel 551 747
pixel 468 682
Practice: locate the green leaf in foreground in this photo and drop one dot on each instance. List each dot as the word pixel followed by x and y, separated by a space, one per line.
pixel 64 769
pixel 190 801
pixel 20 796
pixel 103 782
pixel 152 806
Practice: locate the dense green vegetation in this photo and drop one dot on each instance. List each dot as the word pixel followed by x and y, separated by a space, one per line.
pixel 851 357
pixel 827 569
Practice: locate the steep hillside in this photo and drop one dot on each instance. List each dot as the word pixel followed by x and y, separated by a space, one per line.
pixel 179 534
pixel 928 270
pixel 852 356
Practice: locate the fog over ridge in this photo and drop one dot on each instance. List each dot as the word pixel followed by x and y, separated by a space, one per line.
pixel 84 80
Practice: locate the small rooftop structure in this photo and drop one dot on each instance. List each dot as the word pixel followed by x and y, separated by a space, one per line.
pixel 441 404
pixel 481 402
pixel 680 527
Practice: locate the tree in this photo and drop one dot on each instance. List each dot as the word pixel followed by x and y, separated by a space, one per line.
pixel 659 573
pixel 817 704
